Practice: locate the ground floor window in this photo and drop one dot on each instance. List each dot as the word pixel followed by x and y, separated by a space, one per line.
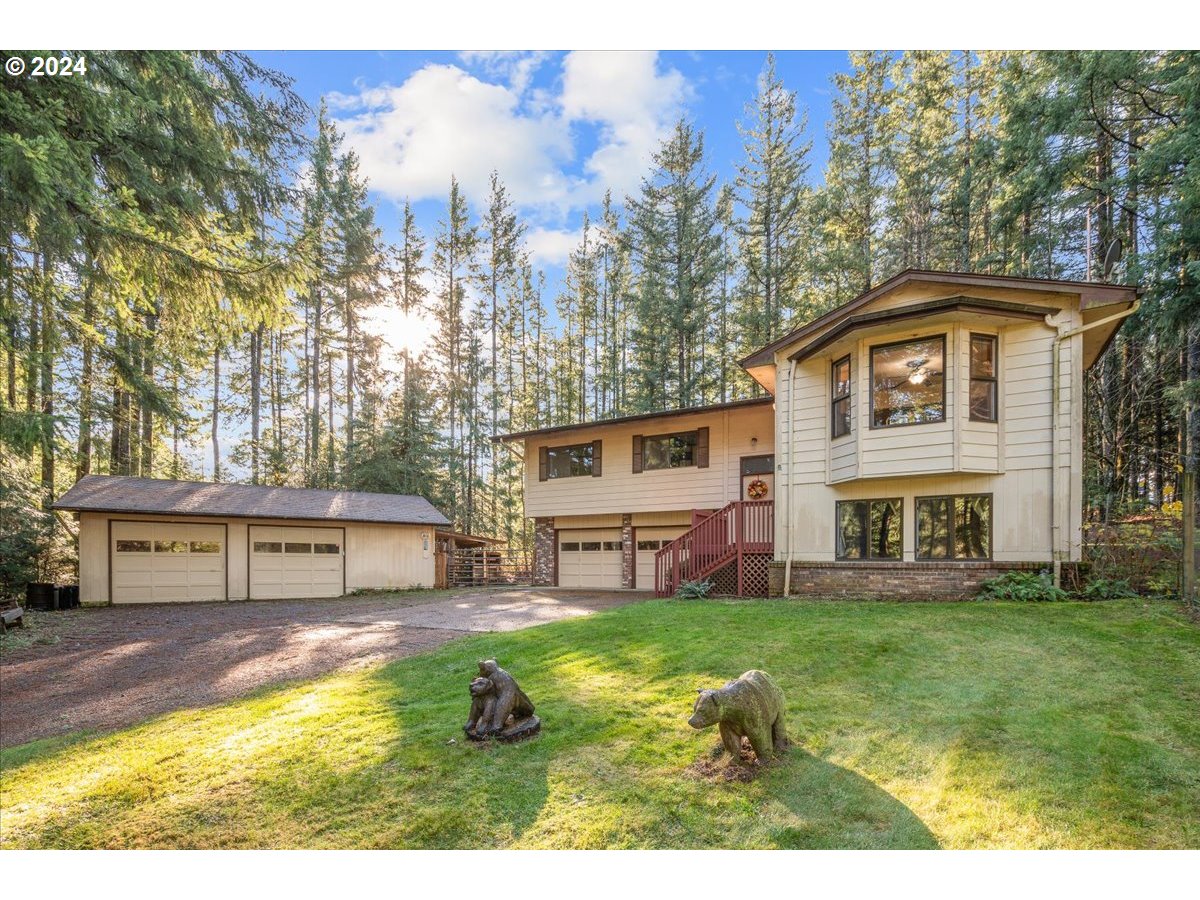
pixel 870 529
pixel 956 527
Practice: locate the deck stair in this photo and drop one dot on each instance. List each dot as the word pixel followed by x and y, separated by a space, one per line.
pixel 738 537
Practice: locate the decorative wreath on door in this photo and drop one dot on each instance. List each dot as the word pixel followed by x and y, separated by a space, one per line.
pixel 757 489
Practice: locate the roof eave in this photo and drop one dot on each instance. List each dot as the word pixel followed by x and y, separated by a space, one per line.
pixel 72 507
pixel 639 417
pixel 920 311
pixel 1092 293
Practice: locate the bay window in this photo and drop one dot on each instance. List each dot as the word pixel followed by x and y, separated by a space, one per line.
pixel 841 397
pixel 908 383
pixel 983 378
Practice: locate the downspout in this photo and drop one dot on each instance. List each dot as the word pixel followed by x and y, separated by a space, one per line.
pixel 1056 412
pixel 791 439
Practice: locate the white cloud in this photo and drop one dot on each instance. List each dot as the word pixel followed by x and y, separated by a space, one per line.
pixel 551 246
pixel 517 66
pixel 634 105
pixel 441 121
pixel 444 120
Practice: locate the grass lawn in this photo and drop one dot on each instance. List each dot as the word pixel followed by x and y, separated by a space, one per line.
pixel 916 725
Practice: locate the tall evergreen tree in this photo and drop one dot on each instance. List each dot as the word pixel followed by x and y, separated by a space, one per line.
pixel 673 237
pixel 453 268
pixel 772 189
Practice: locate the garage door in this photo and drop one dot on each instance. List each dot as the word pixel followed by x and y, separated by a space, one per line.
pixel 649 541
pixel 295 562
pixel 154 562
pixel 590 558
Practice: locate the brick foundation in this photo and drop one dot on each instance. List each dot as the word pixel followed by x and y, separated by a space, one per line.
pixel 628 553
pixel 545 557
pixel 896 580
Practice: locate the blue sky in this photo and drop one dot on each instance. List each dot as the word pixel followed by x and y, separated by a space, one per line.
pixel 559 127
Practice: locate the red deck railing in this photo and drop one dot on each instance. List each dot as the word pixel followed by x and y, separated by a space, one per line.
pixel 740 527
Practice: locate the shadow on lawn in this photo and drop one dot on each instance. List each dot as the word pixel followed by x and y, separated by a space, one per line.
pixel 837 809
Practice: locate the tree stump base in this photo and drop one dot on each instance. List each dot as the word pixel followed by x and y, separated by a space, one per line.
pixel 517 730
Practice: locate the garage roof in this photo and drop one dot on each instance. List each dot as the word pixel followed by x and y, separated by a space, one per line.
pixel 119 493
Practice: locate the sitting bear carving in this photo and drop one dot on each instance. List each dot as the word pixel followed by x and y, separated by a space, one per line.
pixel 495 699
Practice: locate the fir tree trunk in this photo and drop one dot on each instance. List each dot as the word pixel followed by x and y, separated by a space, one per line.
pixel 48 350
pixel 83 463
pixel 216 413
pixel 147 413
pixel 256 337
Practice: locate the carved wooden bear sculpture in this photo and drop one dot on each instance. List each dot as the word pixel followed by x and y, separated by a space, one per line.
pixel 752 707
pixel 495 696
pixel 483 706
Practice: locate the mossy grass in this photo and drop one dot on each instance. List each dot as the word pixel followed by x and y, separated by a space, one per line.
pixel 913 725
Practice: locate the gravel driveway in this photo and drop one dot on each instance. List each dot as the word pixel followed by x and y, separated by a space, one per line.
pixel 114 666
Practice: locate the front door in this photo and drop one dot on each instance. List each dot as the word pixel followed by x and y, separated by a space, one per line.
pixel 758 477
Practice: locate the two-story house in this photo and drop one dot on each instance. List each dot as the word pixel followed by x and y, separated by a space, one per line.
pixel 913 442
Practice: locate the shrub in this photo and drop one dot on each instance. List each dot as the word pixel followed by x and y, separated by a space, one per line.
pixel 1023 587
pixel 694 590
pixel 1107 589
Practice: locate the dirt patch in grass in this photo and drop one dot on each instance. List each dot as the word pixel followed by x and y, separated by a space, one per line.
pixel 719 766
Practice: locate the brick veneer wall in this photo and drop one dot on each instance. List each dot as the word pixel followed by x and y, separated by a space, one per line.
pixel 894 580
pixel 628 554
pixel 544 555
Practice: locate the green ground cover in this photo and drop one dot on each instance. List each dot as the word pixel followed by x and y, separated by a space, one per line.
pixel 916 725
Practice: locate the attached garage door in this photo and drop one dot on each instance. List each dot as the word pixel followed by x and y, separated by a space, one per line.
pixel 295 562
pixel 154 562
pixel 590 558
pixel 649 541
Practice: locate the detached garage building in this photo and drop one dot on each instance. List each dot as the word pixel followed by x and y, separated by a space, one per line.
pixel 146 540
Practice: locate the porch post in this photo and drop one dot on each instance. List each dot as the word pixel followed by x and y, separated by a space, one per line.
pixel 739 535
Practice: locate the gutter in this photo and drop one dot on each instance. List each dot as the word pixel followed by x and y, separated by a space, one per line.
pixel 787 572
pixel 1056 413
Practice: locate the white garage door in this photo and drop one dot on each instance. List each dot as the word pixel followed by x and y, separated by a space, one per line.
pixel 649 541
pixel 154 562
pixel 295 562
pixel 590 558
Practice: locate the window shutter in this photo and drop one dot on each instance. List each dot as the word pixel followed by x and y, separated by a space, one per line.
pixel 637 453
pixel 543 464
pixel 596 447
pixel 702 448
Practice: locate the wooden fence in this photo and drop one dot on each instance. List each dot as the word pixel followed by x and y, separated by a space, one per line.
pixel 475 567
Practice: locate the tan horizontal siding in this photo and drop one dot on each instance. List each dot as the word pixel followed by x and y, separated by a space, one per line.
pixel 377 556
pixel 620 490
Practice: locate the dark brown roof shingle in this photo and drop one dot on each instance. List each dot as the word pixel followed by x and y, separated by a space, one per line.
pixel 118 493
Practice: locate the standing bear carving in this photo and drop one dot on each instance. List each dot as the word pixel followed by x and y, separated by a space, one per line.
pixel 751 707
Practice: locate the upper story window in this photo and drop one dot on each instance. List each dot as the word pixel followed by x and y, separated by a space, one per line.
pixel 671 451
pixel 908 382
pixel 569 461
pixel 983 378
pixel 841 397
